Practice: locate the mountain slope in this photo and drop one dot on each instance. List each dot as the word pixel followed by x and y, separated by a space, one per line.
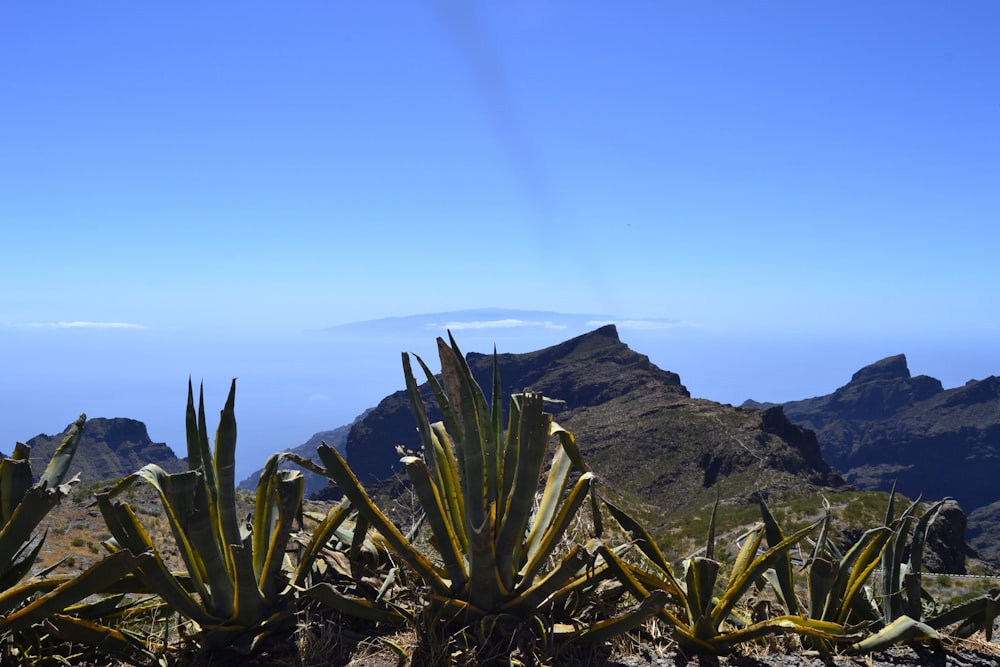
pixel 336 438
pixel 636 425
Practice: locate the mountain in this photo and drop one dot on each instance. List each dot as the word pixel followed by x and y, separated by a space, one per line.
pixel 887 426
pixel 336 438
pixel 636 425
pixel 109 449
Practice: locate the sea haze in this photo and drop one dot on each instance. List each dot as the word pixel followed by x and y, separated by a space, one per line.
pixel 291 385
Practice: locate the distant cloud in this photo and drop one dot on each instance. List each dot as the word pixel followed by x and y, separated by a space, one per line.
pixel 81 325
pixel 641 325
pixel 319 397
pixel 494 324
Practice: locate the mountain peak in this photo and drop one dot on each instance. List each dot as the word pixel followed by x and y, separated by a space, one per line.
pixel 110 448
pixel 890 368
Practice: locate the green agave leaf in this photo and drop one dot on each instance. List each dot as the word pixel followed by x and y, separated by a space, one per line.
pixel 15 480
pixel 22 562
pixel 93 580
pixel 531 598
pixel 747 552
pixel 441 525
pixel 225 470
pixel 199 450
pixel 973 615
pixel 821 578
pixel 639 582
pixel 285 500
pixel 444 404
pixel 496 470
pixel 248 603
pixel 783 565
pixel 445 459
pixel 381 612
pixel 16 533
pixel 485 588
pixel 646 544
pixel 568 444
pixel 856 567
pixel 743 579
pixel 912 586
pixel 556 530
pixel 533 436
pixel 548 505
pixel 185 502
pixel 607 629
pixel 724 643
pixel 59 464
pixel 153 575
pixel 903 630
pixel 109 641
pixel 700 577
pixel 338 470
pixel 464 397
pixel 448 480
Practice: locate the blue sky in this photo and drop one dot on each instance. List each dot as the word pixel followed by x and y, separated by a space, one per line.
pixel 200 187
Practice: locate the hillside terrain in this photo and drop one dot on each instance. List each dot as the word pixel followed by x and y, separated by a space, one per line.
pixel 336 438
pixel 666 455
pixel 649 442
pixel 886 426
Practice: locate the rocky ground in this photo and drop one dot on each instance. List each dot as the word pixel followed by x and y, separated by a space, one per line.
pixel 963 656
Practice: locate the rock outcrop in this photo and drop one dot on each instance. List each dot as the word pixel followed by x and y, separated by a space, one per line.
pixel 946 547
pixel 885 426
pixel 109 449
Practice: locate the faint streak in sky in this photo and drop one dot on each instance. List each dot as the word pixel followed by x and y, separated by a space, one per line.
pixel 490 79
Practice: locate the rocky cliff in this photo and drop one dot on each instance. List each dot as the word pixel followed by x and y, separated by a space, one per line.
pixel 887 426
pixel 109 449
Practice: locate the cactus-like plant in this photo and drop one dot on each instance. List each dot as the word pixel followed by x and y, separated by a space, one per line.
pixel 707 622
pixel 235 589
pixel 49 599
pixel 477 483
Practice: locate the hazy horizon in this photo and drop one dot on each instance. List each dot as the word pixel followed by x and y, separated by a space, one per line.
pixel 293 385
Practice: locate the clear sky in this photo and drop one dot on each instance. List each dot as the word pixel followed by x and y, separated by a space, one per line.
pixel 188 187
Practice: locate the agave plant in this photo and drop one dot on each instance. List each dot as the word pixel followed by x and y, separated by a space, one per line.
pixel 235 588
pixel 49 599
pixel 908 612
pixel 707 621
pixel 839 588
pixel 477 483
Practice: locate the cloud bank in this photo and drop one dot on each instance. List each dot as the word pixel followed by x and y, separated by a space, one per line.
pixel 80 325
pixel 493 324
pixel 641 325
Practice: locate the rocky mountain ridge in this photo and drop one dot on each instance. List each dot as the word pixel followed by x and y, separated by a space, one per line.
pixel 636 425
pixel 109 449
pixel 886 426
